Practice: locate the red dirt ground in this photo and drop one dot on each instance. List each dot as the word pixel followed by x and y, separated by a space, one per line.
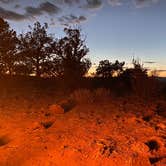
pixel 120 132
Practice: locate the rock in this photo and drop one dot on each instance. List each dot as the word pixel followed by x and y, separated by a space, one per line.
pixel 4 140
pixel 148 115
pixel 56 109
pixel 147 118
pixel 153 145
pixel 67 104
pixel 158 161
pixel 47 124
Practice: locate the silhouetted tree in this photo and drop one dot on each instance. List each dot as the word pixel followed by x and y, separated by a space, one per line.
pixel 138 67
pixel 137 79
pixel 35 47
pixel 53 68
pixel 138 72
pixel 71 51
pixel 8 48
pixel 23 69
pixel 107 69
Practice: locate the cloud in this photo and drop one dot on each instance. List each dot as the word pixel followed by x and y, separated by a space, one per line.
pixel 5 1
pixel 82 18
pixel 52 22
pixel 67 2
pixel 17 6
pixel 11 15
pixel 30 11
pixel 144 3
pixel 137 3
pixel 115 2
pixel 162 70
pixel 49 8
pixel 93 4
pixel 52 7
pixel 149 62
pixel 71 19
pixel 71 1
pixel 45 7
pixel 33 11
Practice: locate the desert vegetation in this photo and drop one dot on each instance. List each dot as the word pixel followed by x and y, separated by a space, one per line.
pixel 38 55
pixel 52 112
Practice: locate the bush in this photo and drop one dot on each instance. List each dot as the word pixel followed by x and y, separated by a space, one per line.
pixel 89 96
pixel 101 94
pixel 138 83
pixel 82 96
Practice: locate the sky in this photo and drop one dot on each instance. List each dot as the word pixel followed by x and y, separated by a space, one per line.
pixel 114 29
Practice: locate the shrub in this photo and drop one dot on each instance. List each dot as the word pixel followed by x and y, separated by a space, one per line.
pixel 82 96
pixel 101 94
pixel 138 82
pixel 89 96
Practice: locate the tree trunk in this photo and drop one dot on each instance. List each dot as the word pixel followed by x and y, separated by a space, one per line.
pixel 37 68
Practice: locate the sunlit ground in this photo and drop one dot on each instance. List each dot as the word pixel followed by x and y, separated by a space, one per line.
pixel 108 132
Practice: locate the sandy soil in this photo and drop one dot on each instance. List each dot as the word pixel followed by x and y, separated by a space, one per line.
pixel 120 132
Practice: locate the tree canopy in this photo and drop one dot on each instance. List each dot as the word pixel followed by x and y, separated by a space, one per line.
pixel 107 69
pixel 8 47
pixel 35 48
pixel 71 50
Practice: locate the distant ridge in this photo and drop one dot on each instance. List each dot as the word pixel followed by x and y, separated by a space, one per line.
pixel 163 79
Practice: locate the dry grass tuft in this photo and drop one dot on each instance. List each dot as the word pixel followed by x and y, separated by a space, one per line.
pixel 101 94
pixel 82 96
pixel 89 96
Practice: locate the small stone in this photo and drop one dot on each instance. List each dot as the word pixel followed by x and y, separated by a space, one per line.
pixel 67 105
pixel 47 124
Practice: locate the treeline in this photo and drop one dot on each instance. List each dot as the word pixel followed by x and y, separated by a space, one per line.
pixel 39 54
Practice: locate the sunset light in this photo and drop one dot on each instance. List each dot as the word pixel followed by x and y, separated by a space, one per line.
pixel 82 82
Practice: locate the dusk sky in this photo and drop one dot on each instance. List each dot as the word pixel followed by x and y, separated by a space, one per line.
pixel 114 29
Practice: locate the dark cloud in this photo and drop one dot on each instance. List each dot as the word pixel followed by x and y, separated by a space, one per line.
pixel 71 1
pixel 17 6
pixel 33 11
pixel 45 7
pixel 115 2
pixel 93 4
pixel 72 19
pixel 30 11
pixel 144 3
pixel 149 62
pixel 82 18
pixel 11 15
pixel 5 1
pixel 137 3
pixel 49 8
